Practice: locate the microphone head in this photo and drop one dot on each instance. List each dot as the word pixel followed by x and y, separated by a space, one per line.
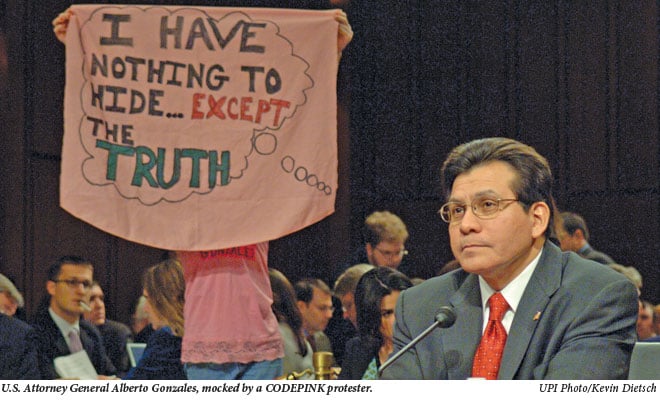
pixel 446 317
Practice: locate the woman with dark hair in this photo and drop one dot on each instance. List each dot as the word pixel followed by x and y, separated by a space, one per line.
pixel 164 288
pixel 375 297
pixel 297 350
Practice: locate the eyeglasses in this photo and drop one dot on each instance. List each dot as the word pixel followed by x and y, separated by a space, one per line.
pixel 391 254
pixel 74 283
pixel 484 208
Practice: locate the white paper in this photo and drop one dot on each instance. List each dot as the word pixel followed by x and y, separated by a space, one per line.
pixel 75 366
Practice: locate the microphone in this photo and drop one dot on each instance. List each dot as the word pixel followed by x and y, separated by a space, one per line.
pixel 444 319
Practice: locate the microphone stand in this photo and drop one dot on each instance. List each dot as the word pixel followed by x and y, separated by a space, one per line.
pixel 438 322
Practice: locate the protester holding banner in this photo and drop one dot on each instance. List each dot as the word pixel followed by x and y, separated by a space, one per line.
pixel 205 78
pixel 231 330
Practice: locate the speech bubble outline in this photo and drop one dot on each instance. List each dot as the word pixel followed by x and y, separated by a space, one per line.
pixel 251 141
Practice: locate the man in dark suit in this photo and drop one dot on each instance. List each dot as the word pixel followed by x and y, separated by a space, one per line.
pixel 18 350
pixel 573 235
pixel 58 321
pixel 114 333
pixel 564 317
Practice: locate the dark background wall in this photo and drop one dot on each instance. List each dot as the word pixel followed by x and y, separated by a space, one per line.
pixel 576 80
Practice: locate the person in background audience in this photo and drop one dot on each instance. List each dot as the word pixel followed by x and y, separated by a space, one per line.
pixel 656 322
pixel 645 321
pixel 338 330
pixel 385 236
pixel 18 350
pixel 140 325
pixel 297 350
pixel 375 298
pixel 58 324
pixel 314 300
pixel 115 334
pixel 10 298
pixel 632 273
pixel 344 289
pixel 573 235
pixel 163 287
pixel 343 324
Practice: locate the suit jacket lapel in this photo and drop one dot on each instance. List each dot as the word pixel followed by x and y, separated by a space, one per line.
pixel 87 342
pixel 61 348
pixel 543 283
pixel 463 337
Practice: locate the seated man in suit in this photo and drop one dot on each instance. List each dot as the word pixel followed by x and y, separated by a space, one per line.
pixel 551 314
pixel 18 350
pixel 343 324
pixel 115 334
pixel 60 329
pixel 314 300
pixel 573 235
pixel 10 298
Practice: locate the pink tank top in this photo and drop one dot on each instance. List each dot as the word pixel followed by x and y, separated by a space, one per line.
pixel 228 315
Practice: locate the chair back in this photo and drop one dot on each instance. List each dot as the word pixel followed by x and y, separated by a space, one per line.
pixel 645 361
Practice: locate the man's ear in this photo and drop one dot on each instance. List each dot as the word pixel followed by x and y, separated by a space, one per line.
pixel 50 287
pixel 369 249
pixel 579 234
pixel 540 214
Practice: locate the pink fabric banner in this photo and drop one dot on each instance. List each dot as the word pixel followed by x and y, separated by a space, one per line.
pixel 199 128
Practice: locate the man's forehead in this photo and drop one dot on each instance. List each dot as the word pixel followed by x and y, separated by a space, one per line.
pixel 318 294
pixel 496 176
pixel 7 295
pixel 394 244
pixel 480 194
pixel 75 269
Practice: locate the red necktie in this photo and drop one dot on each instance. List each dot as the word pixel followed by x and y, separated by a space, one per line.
pixel 489 353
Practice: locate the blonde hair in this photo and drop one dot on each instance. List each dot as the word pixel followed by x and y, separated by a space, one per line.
pixel 384 226
pixel 165 285
pixel 630 272
pixel 348 280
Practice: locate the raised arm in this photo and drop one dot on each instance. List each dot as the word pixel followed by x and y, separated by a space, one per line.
pixel 61 23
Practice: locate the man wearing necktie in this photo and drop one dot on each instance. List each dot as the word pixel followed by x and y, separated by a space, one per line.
pixel 524 309
pixel 58 324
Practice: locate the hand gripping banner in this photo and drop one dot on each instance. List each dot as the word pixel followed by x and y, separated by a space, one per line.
pixel 199 128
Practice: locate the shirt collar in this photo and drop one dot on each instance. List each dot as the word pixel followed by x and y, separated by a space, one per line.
pixel 62 324
pixel 514 290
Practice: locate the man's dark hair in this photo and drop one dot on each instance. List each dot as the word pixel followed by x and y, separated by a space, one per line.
pixel 572 222
pixel 534 183
pixel 56 267
pixel 305 289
